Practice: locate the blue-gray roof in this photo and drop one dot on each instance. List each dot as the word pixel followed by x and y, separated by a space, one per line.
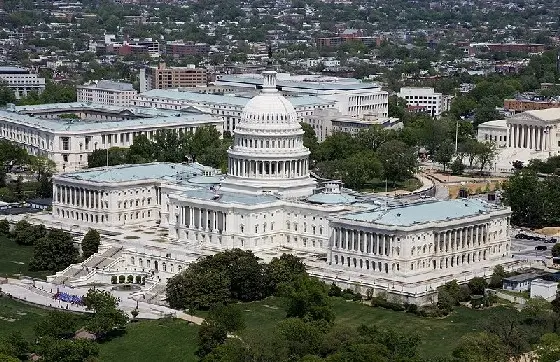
pixel 228 197
pixel 231 100
pixel 147 171
pixel 69 107
pixel 422 213
pixel 346 85
pixel 331 198
pixel 62 125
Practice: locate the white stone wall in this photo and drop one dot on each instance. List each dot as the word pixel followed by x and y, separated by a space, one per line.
pixel 492 134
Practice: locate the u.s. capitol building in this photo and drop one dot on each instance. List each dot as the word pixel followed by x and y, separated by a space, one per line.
pixel 269 203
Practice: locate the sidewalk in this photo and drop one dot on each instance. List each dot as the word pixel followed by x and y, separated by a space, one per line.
pixel 42 293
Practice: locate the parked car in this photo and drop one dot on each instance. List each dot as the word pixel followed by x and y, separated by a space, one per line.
pixel 540 247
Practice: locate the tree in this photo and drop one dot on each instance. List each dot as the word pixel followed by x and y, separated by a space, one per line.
pixel 106 316
pixel 480 347
pixel 457 167
pixel 112 157
pixel 444 154
pixel 232 275
pixel 360 169
pixel 524 193
pixel 210 336
pixel 285 269
pixel 6 95
pixel 496 280
pixel 477 285
pixel 26 234
pixel 90 243
pixel 556 250
pixel 486 154
pixel 54 252
pixel 304 338
pixel 399 161
pixel 57 325
pixel 232 350
pixel 142 150
pixel 307 298
pixel 309 137
pixel 230 316
pixel 548 349
pixel 67 350
pixel 4 227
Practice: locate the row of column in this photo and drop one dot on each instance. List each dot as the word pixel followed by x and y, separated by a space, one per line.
pixel 202 219
pixel 77 196
pixel 530 136
pixel 453 240
pixel 370 243
pixel 264 169
pixel 272 143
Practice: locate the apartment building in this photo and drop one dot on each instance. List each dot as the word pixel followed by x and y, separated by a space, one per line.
pixel 164 77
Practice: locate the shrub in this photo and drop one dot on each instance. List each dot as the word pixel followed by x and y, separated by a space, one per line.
pixel 369 293
pixel 114 279
pixel 4 227
pixel 380 302
pixel 411 308
pixel 357 297
pixel 335 291
pixel 138 279
pixel 130 279
pixel 122 278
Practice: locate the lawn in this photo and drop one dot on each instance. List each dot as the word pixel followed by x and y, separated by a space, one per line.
pixel 438 336
pixel 14 259
pixel 378 185
pixel 146 341
pixel 18 316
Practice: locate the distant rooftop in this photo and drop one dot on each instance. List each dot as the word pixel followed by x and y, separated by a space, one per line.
pixel 109 84
pixel 424 212
pixel 228 197
pixel 225 99
pixel 13 70
pixel 339 84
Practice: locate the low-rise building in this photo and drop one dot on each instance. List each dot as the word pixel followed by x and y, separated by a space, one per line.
pixel 106 92
pixel 179 49
pixel 546 289
pixel 423 99
pixel 519 283
pixel 164 77
pixel 21 81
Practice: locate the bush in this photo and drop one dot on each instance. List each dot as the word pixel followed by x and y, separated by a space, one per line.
pixel 4 227
pixel 130 279
pixel 122 279
pixel 411 308
pixel 335 291
pixel 138 279
pixel 369 293
pixel 357 297
pixel 380 302
pixel 114 279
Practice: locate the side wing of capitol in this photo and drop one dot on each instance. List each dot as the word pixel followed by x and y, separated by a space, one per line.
pixel 268 203
pixel 68 132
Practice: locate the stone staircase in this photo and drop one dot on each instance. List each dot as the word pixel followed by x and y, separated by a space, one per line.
pixel 75 272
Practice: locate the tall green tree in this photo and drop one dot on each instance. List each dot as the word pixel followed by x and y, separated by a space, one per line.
pixel 106 317
pixel 480 347
pixel 398 160
pixel 54 252
pixel 307 298
pixel 90 243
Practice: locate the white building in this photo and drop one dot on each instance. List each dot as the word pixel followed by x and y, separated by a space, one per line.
pixel 350 96
pixel 68 142
pixel 423 99
pixel 21 81
pixel 546 289
pixel 268 203
pixel 229 107
pixel 106 92
pixel 325 122
pixel 493 131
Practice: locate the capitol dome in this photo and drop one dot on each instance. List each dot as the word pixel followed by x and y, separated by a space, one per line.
pixel 268 155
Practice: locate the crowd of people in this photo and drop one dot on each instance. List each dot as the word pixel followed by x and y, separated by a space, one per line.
pixel 69 298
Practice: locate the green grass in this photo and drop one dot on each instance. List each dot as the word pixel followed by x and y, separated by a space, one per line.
pixel 14 259
pixel 146 341
pixel 23 315
pixel 438 336
pixel 378 185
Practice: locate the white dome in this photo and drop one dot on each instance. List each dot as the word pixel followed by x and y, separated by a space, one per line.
pixel 269 109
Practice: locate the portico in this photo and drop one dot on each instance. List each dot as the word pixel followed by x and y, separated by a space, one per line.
pixel 533 137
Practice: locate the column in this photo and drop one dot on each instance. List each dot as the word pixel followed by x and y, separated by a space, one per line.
pixel 539 138
pixel 530 140
pixel 515 136
pixel 509 132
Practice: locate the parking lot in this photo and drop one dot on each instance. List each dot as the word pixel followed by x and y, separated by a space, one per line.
pixel 525 248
